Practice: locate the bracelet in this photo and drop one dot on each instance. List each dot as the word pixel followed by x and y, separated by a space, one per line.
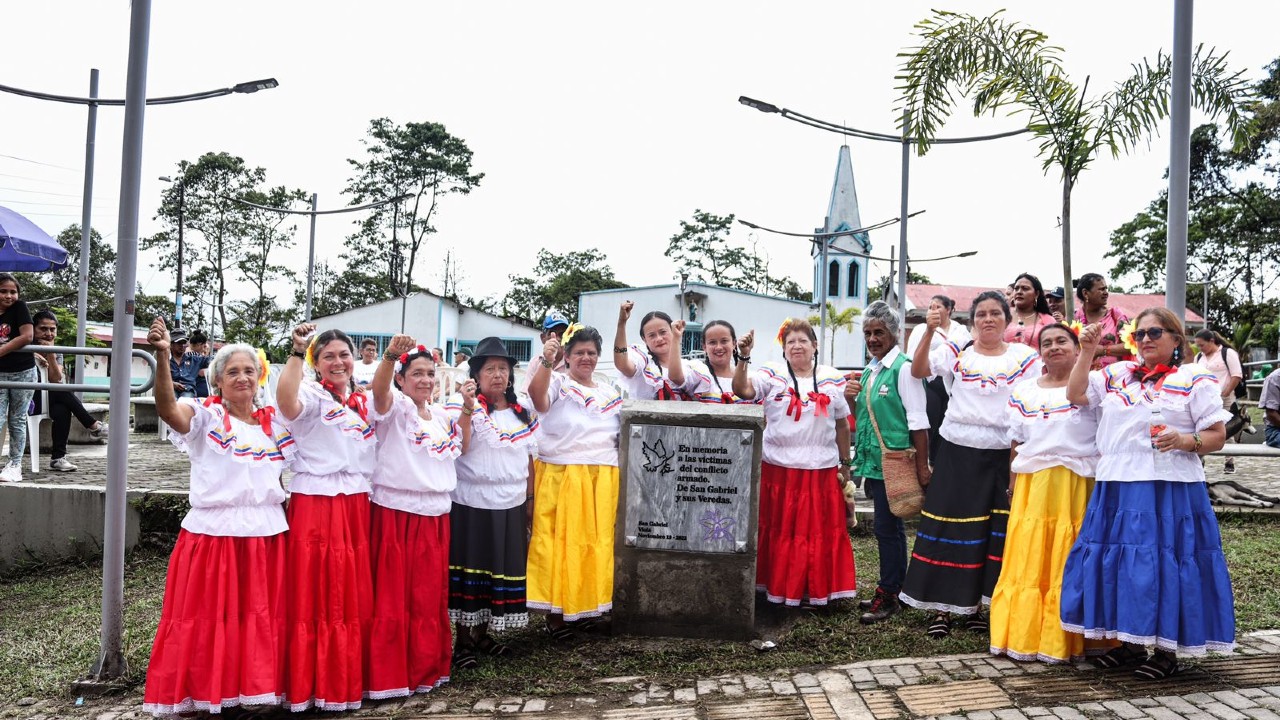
pixel 545 363
pixel 847 462
pixel 744 359
pixel 389 357
pixel 467 411
pixel 300 355
pixel 1199 442
pixel 617 350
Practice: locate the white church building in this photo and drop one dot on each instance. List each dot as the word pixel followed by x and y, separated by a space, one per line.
pixel 699 303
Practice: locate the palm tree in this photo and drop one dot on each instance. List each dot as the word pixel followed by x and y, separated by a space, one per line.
pixel 1002 64
pixel 836 320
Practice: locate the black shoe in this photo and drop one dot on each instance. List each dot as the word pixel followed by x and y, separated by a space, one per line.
pixel 868 604
pixel 883 606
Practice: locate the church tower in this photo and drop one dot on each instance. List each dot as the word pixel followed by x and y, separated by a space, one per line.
pixel 846 276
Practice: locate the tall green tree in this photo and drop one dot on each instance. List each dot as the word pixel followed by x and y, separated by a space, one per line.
pixel 228 246
pixel 555 283
pixel 703 249
pixel 422 160
pixel 60 288
pixel 1004 65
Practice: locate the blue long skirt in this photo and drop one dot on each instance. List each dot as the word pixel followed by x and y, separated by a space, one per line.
pixel 1148 569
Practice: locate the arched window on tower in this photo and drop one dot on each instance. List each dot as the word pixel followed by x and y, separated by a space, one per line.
pixel 833 279
pixel 855 278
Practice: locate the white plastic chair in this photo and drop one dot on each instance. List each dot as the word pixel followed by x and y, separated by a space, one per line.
pixel 33 425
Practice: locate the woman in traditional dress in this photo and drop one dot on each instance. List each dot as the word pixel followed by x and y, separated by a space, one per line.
pixel 410 642
pixel 1148 568
pixel 330 601
pixel 900 407
pixel 712 381
pixel 655 371
pixel 804 550
pixel 221 639
pixel 938 390
pixel 1092 292
pixel 960 537
pixel 489 547
pixel 1030 312
pixel 576 489
pixel 1051 476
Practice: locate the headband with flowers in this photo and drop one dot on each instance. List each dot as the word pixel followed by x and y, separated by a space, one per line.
pixel 1075 327
pixel 782 331
pixel 569 332
pixel 406 358
pixel 311 351
pixel 1126 336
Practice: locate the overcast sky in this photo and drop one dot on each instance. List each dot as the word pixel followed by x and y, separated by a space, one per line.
pixel 596 124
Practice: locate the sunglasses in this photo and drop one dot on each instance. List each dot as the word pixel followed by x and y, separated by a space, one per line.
pixel 1153 333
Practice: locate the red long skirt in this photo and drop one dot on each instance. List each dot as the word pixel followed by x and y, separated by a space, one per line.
pixel 220 642
pixel 330 605
pixel 804 548
pixel 409 645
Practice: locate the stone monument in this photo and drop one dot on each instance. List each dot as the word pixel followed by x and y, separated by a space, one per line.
pixel 685 544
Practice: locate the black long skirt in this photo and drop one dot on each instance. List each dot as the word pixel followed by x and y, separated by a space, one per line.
pixel 488 551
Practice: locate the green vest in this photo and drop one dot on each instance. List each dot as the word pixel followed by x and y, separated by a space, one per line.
pixel 890 415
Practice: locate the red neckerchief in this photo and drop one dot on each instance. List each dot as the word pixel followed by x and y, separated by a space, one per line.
pixel 1143 375
pixel 726 398
pixel 665 392
pixel 356 400
pixel 795 407
pixel 822 400
pixel 484 403
pixel 262 415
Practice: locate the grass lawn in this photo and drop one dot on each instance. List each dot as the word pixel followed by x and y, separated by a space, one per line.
pixel 49 630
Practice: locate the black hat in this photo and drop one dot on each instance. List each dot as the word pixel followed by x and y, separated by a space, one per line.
pixel 1055 293
pixel 492 347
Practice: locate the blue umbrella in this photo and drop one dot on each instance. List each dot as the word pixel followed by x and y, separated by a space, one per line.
pixel 25 247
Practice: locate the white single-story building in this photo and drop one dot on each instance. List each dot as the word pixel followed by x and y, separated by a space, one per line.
pixel 433 321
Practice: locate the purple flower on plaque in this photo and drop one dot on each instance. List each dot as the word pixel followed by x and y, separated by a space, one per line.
pixel 717 525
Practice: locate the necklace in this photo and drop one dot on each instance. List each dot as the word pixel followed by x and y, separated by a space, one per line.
pixel 1022 318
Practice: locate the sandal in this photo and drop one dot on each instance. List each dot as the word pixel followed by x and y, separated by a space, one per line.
pixel 1157 667
pixel 463 659
pixel 940 627
pixel 491 647
pixel 977 623
pixel 1118 657
pixel 563 634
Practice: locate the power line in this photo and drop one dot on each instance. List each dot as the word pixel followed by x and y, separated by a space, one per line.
pixel 47 204
pixel 46 192
pixel 37 162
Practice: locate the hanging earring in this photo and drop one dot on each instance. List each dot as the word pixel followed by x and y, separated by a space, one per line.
pixel 1177 355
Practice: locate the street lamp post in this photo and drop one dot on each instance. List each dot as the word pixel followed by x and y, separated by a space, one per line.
pixel 313 212
pixel 177 290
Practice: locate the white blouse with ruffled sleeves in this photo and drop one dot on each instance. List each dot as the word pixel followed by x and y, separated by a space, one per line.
pixel 336 447
pixel 415 471
pixel 1190 400
pixel 649 378
pixel 493 474
pixel 976 414
pixel 810 442
pixel 235 473
pixel 1051 432
pixel 581 427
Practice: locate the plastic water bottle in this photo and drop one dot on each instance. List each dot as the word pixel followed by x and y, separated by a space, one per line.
pixel 1163 460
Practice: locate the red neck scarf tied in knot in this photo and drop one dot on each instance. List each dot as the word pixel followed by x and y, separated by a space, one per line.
pixel 1156 374
pixel 726 398
pixel 665 392
pixel 356 400
pixel 822 400
pixel 262 415
pixel 795 407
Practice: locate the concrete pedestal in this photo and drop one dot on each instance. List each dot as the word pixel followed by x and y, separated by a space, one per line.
pixel 685 545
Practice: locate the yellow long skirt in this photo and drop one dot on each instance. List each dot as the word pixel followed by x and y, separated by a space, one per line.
pixel 571 551
pixel 1044 518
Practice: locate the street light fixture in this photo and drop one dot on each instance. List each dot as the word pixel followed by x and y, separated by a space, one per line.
pixel 311 249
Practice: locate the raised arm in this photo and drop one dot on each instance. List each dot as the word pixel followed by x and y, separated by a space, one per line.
pixel 291 376
pixel 174 414
pixel 540 375
pixel 920 367
pixel 1078 383
pixel 382 395
pixel 622 358
pixel 676 370
pixel 742 386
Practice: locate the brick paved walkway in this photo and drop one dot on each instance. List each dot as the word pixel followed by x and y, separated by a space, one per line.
pixel 1245 685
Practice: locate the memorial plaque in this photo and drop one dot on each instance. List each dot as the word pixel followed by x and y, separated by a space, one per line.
pixel 689 489
pixel 685 538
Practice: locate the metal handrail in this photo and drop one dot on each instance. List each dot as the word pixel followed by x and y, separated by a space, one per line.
pixel 81 387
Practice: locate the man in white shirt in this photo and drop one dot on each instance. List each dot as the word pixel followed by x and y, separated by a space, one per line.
pixel 938 389
pixel 367 365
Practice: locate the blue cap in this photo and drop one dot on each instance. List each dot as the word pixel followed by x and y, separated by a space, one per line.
pixel 553 319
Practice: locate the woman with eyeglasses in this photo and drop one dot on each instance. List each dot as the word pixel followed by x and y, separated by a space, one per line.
pixel 1030 312
pixel 1147 567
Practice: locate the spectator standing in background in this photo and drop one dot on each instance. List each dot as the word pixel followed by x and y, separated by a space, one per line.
pixel 182 365
pixel 367 365
pixel 1054 298
pixel 462 359
pixel 200 346
pixel 1223 361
